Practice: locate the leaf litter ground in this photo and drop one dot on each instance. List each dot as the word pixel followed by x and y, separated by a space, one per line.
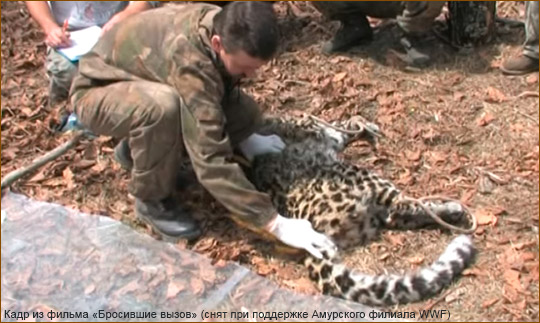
pixel 457 128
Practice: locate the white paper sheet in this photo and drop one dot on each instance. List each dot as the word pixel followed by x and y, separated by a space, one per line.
pixel 82 42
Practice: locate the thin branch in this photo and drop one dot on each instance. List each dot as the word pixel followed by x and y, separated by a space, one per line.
pixel 13 176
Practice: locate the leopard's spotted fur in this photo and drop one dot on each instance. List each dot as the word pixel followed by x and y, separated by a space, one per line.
pixel 350 204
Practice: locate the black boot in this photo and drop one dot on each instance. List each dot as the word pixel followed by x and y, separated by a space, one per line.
pixel 167 218
pixel 413 57
pixel 353 32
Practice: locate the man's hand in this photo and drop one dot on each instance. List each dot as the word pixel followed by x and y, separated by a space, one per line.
pixel 257 145
pixel 57 37
pixel 134 7
pixel 300 234
pixel 113 21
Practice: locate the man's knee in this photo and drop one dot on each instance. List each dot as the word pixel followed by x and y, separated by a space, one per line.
pixel 61 72
pixel 160 117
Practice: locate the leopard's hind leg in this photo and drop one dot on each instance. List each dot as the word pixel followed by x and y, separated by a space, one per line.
pixel 406 213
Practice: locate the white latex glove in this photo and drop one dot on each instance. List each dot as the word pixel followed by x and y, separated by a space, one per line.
pixel 300 234
pixel 257 145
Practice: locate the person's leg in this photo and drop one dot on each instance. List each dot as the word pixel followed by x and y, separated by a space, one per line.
pixel 531 29
pixel 61 72
pixel 416 22
pixel 355 28
pixel 148 114
pixel 527 62
pixel 418 16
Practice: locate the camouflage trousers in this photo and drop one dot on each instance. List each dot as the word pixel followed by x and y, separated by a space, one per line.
pixel 412 16
pixel 531 30
pixel 148 114
pixel 61 72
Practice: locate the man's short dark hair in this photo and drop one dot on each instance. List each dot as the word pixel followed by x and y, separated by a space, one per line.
pixel 250 26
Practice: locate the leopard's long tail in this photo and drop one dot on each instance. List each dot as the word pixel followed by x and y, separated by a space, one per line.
pixel 335 279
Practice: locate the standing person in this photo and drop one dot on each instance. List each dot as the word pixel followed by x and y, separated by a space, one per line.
pixel 414 17
pixel 167 80
pixel 58 18
pixel 527 62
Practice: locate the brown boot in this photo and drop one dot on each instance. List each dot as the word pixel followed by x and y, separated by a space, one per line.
pixel 520 65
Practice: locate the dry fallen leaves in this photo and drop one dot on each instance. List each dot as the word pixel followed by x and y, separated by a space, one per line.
pixel 490 302
pixel 416 260
pixel 511 277
pixel 486 216
pixel 197 286
pixel 338 77
pixel 174 288
pixel 494 95
pixel 485 119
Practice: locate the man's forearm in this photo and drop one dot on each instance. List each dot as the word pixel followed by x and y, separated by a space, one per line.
pixel 137 6
pixel 40 11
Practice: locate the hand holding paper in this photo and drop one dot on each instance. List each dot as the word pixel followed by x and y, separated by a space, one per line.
pixel 82 42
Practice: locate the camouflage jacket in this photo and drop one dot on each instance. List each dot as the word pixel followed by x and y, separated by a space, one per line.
pixel 171 45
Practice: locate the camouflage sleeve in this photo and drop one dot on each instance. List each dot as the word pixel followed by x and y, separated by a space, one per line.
pixel 209 147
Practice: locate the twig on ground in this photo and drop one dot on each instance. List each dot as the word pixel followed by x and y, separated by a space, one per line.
pixel 527 116
pixel 526 94
pixel 40 161
pixel 438 300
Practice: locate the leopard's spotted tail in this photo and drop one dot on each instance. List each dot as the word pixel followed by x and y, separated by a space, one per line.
pixel 335 279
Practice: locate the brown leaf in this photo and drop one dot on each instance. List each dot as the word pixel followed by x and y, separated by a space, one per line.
pixel 417 260
pixel 205 244
pixel 100 166
pixel 523 245
pixel 486 119
pixel 533 272
pixel 83 164
pixel 130 287
pixel 437 156
pixel 413 155
pixel 208 273
pixel 494 95
pixel 490 302
pixel 265 269
pixel 38 177
pixel 474 272
pixel 174 288
pixel 338 77
pixel 68 178
pixel 303 285
pixel 458 96
pixel 485 216
pixel 467 196
pixel 526 256
pixel 511 277
pixel 197 286
pixel 485 185
pixel 89 289
pixel 396 240
pixel 532 79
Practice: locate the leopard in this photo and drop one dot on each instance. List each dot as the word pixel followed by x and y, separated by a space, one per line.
pixel 351 204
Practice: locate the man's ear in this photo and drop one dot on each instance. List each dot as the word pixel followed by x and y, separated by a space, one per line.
pixel 215 41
